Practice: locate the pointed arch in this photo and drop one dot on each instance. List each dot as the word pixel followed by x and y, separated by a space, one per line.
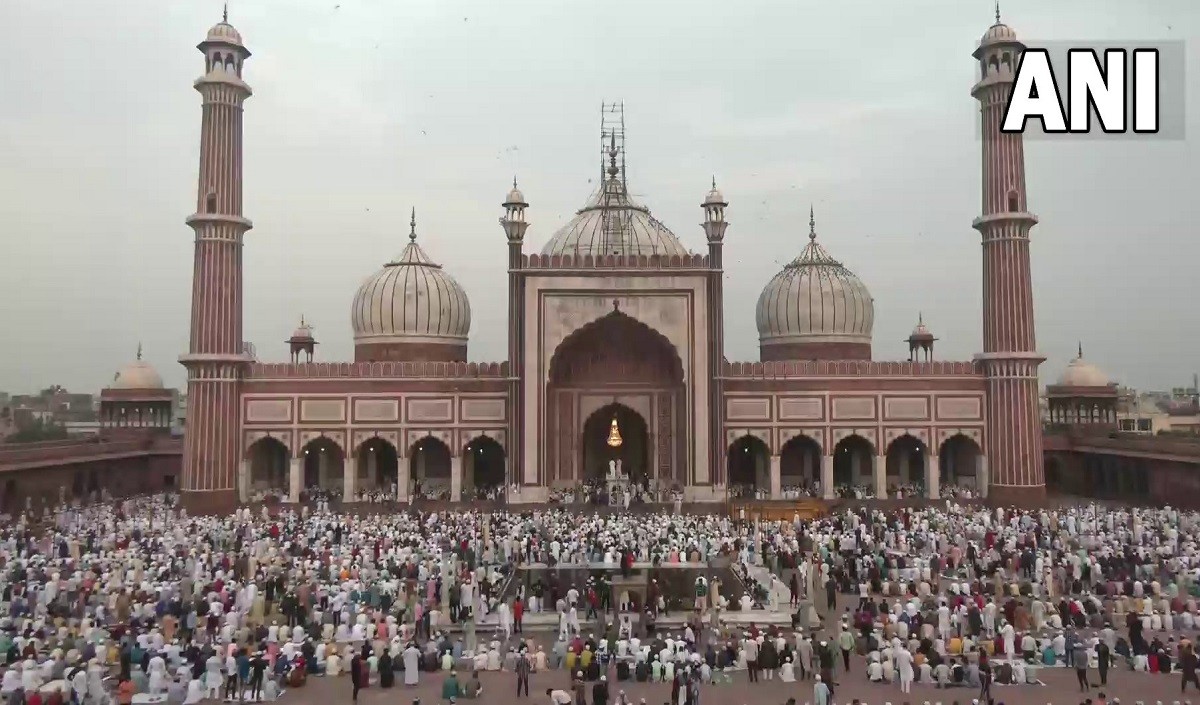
pixel 906 459
pixel 615 338
pixel 852 458
pixel 959 461
pixel 324 464
pixel 748 460
pixel 800 462
pixel 483 466
pixel 429 467
pixel 269 459
pixel 378 464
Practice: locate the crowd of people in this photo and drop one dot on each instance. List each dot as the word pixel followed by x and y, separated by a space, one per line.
pixel 136 596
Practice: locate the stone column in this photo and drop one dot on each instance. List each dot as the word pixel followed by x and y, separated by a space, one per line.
pixel 295 479
pixel 827 476
pixel 244 481
pixel 981 475
pixel 456 476
pixel 879 473
pixel 933 477
pixel 403 477
pixel 776 479
pixel 350 478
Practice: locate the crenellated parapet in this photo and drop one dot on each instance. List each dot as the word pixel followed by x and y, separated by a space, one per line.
pixel 378 370
pixel 783 369
pixel 646 262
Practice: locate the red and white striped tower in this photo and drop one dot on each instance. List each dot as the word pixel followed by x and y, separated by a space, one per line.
pixel 216 356
pixel 1010 359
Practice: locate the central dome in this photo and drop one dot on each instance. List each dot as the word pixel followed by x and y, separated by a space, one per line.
pixel 815 309
pixel 612 223
pixel 412 309
pixel 138 374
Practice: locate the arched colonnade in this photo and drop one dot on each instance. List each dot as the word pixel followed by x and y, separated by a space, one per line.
pixel 801 467
pixel 429 465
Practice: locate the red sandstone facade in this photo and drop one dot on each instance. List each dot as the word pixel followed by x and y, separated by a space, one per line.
pixel 614 321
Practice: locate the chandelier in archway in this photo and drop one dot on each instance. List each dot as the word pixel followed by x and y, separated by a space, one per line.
pixel 614 435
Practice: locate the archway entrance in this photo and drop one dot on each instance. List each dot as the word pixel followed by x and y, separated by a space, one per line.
pixel 959 460
pixel 378 466
pixel 632 456
pixel 749 467
pixel 639 373
pixel 1054 474
pixel 269 459
pixel 429 467
pixel 483 468
pixel 324 465
pixel 800 466
pixel 906 462
pixel 852 465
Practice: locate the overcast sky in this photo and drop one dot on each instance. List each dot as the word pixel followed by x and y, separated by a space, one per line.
pixel 366 108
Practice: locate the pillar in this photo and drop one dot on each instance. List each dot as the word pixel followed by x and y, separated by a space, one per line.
pixel 403 478
pixel 879 472
pixel 827 476
pixel 244 481
pixel 933 477
pixel 981 475
pixel 776 479
pixel 456 477
pixel 350 478
pixel 295 479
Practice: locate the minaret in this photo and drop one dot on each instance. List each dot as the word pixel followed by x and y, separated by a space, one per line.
pixel 216 356
pixel 515 225
pixel 714 230
pixel 1009 359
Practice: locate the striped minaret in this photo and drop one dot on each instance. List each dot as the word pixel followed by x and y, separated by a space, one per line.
pixel 216 356
pixel 1010 360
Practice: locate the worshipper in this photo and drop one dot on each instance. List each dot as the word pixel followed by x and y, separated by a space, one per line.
pixel 451 689
pixel 387 670
pixel 522 668
pixel 821 693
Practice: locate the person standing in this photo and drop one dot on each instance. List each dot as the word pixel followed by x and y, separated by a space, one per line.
pixel 846 642
pixel 821 694
pixel 522 668
pixel 1187 666
pixel 600 691
pixel 1080 657
pixel 258 666
pixel 518 613
pixel 356 680
pixel 1103 661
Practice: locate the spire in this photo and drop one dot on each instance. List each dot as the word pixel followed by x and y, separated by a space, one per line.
pixel 139 352
pixel 514 181
pixel 812 224
pixel 997 11
pixel 1080 350
pixel 225 13
pixel 412 226
pixel 920 318
pixel 714 182
pixel 302 320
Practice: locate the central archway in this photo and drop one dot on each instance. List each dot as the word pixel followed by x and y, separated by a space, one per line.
pixel 634 451
pixel 632 369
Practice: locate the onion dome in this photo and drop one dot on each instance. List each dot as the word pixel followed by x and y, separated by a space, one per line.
pixel 224 33
pixel 998 33
pixel 412 309
pixel 815 309
pixel 515 197
pixel 1082 374
pixel 303 334
pixel 138 374
pixel 612 223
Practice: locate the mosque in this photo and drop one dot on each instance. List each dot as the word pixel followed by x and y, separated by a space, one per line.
pixel 615 354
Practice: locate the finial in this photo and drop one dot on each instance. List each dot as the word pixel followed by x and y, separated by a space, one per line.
pixel 302 320
pixel 920 318
pixel 1081 350
pixel 225 14
pixel 412 226
pixel 514 181
pixel 139 352
pixel 714 182
pixel 812 224
pixel 997 11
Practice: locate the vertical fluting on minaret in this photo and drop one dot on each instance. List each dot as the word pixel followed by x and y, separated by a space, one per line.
pixel 714 230
pixel 1010 359
pixel 515 225
pixel 216 357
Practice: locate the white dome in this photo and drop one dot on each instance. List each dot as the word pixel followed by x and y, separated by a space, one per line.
pixel 138 374
pixel 224 33
pixel 412 299
pixel 612 223
pixel 1082 374
pixel 815 299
